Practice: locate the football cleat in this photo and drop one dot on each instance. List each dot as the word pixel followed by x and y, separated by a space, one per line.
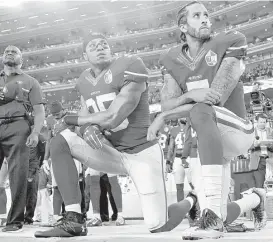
pixel 235 228
pixel 72 224
pixel 260 218
pixel 210 226
pixel 209 220
pixel 195 212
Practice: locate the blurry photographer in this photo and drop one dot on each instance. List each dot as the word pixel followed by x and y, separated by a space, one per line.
pixel 261 150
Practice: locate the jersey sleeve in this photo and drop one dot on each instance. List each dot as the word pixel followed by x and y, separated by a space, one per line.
pixel 36 94
pixel 236 45
pixel 136 71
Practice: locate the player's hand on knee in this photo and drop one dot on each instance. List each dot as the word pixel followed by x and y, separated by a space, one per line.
pixel 92 136
pixel 153 131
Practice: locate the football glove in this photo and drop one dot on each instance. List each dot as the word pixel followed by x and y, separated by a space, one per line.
pixel 93 136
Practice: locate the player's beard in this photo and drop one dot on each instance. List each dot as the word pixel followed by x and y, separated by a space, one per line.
pixel 11 63
pixel 196 33
pixel 104 64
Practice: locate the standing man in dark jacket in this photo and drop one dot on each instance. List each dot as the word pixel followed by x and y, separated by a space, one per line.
pixel 20 94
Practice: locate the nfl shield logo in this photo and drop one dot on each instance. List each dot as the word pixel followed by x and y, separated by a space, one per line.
pixel 211 58
pixel 108 78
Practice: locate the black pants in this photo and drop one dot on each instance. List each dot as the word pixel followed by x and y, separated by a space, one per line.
pixel 96 190
pixel 13 138
pixel 105 187
pixel 259 174
pixel 32 191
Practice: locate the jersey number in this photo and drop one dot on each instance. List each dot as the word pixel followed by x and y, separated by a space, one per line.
pixel 163 140
pixel 179 141
pixel 98 105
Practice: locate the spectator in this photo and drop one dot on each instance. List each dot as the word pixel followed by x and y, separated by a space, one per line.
pixel 19 95
pixel 261 150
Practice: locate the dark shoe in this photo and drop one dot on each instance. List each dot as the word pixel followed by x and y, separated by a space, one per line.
pixel 12 228
pixel 114 216
pixel 195 212
pixel 73 224
pixel 28 221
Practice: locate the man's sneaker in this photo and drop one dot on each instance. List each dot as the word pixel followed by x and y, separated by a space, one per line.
pixel 119 221
pixel 73 224
pixel 195 212
pixel 12 228
pixel 94 222
pixel 210 226
pixel 259 213
pixel 3 222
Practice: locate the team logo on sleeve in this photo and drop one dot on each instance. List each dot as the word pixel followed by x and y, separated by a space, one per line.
pixel 108 77
pixel 211 58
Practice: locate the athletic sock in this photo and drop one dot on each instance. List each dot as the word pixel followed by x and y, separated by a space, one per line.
pixel 73 208
pixel 180 192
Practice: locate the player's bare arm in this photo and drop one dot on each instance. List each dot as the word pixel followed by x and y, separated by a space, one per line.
pixel 227 77
pixel 161 119
pixel 123 105
pixel 171 94
pixel 39 117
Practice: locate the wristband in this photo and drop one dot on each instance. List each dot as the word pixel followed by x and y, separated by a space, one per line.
pixel 71 120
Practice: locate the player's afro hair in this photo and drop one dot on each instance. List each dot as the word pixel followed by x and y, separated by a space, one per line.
pixel 87 38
